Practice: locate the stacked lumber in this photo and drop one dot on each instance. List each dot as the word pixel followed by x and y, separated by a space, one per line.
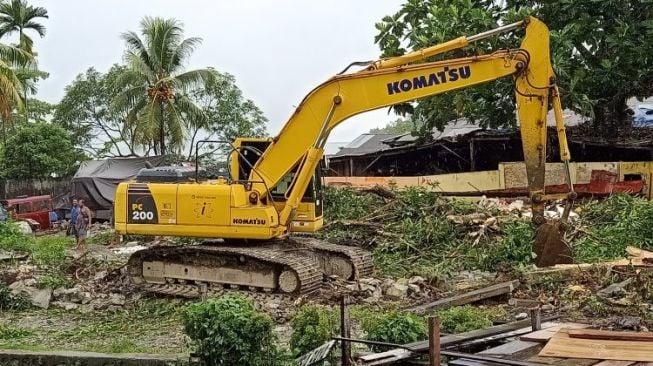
pixel 601 345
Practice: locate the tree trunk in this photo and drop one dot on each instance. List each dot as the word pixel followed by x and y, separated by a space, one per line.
pixel 611 118
pixel 162 134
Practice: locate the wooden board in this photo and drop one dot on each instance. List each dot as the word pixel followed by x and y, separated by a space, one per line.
pixel 561 345
pixel 516 349
pixel 614 363
pixel 545 334
pixel 611 335
pixel 469 297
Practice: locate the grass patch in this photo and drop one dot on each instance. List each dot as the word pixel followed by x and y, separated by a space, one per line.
pixel 46 250
pixel 152 327
pixel 12 333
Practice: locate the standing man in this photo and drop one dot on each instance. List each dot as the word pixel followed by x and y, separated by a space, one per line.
pixel 74 213
pixel 83 224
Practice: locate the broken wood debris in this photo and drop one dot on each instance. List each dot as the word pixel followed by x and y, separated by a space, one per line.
pixel 468 297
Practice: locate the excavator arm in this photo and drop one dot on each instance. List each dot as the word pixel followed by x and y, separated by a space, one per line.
pixel 299 145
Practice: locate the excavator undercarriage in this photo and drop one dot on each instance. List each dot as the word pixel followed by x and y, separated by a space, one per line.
pixel 287 266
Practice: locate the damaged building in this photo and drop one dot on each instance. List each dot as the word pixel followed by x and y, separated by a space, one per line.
pixel 465 147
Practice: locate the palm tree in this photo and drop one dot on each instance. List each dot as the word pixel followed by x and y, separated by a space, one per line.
pixel 17 16
pixel 155 84
pixel 11 86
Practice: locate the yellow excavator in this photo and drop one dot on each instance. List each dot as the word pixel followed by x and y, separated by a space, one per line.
pixel 272 188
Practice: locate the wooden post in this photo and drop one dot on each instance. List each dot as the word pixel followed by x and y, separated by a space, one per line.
pixel 434 341
pixel 345 332
pixel 536 318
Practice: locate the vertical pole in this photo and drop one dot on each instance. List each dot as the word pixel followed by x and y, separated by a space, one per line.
pixel 434 341
pixel 536 318
pixel 472 155
pixel 344 332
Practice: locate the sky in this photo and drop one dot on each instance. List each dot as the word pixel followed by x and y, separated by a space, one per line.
pixel 278 50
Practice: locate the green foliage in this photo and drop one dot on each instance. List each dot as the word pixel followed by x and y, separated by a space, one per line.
pixel 398 126
pixel 54 280
pixel 228 115
pixel 312 327
pixel 596 73
pixel 102 238
pixel 154 87
pixel 393 327
pixel 461 319
pixel 9 332
pixel 229 331
pixel 9 301
pixel 85 112
pixel 613 224
pixel 51 250
pixel 39 151
pixel 593 307
pixel 17 16
pixel 12 239
pixel 514 247
pixel 346 203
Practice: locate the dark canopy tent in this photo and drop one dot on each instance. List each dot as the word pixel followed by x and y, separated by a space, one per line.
pixel 96 180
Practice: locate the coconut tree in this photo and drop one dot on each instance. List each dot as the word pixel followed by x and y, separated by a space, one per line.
pixel 11 86
pixel 155 84
pixel 17 16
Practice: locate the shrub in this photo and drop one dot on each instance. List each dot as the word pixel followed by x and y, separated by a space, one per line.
pixel 613 224
pixel 347 204
pixel 393 327
pixel 9 301
pixel 514 247
pixel 229 331
pixel 311 327
pixel 11 238
pixel 465 318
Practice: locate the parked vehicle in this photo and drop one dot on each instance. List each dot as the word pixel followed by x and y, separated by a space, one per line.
pixel 643 115
pixel 35 210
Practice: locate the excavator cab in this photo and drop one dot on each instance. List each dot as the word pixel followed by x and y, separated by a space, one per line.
pixel 309 216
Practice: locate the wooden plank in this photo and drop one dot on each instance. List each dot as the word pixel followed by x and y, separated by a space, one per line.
pixel 561 345
pixel 469 297
pixel 614 363
pixel 545 334
pixel 510 348
pixel 610 335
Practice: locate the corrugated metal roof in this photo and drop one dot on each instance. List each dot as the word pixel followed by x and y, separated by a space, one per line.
pixel 365 144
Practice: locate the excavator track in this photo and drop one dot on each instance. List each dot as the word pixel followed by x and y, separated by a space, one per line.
pixel 359 262
pixel 292 266
pixel 194 270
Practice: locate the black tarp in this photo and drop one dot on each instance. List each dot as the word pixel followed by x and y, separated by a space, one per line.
pixel 96 180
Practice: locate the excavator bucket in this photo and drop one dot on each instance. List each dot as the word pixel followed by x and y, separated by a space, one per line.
pixel 550 246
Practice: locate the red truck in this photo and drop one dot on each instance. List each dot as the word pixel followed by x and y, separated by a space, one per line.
pixel 35 209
